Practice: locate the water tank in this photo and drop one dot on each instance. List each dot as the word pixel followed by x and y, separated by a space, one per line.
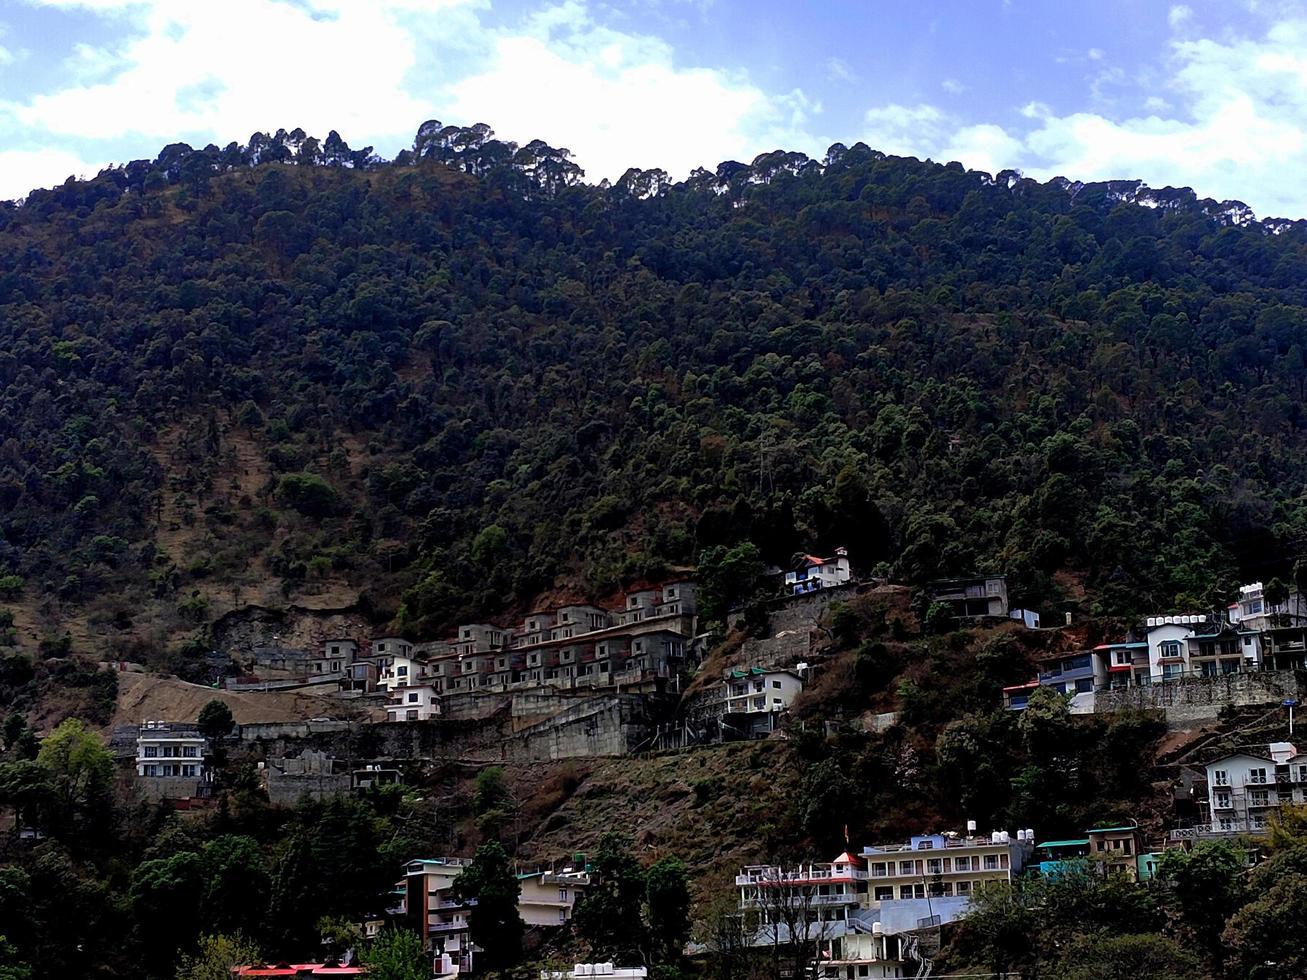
pixel 1030 834
pixel 971 826
pixel 877 929
pixel 995 837
pixel 1004 837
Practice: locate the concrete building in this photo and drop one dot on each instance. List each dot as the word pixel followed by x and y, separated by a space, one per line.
pixel 401 670
pixel 813 573
pixel 1168 647
pixel 428 907
pixel 755 697
pixel 165 749
pixel 1244 788
pixel 971 597
pixel 548 898
pixel 941 865
pixel 413 702
pixel 386 648
pixel 868 956
pixel 1224 649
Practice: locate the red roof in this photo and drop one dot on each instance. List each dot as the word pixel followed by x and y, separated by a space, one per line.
pixel 847 858
pixel 1022 687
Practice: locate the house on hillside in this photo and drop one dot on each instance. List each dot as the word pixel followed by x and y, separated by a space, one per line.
pixel 548 898
pixel 756 696
pixel 971 596
pixel 1244 788
pixel 413 702
pixel 812 573
pixel 167 749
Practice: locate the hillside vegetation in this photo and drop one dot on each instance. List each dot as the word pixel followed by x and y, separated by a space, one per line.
pixel 449 382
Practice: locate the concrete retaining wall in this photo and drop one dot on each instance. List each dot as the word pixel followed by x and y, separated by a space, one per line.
pixel 1196 699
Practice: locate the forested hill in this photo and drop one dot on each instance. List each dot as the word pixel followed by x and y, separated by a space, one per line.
pixel 455 380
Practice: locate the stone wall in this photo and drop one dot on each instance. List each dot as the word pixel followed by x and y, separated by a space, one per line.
pixel 609 725
pixel 1192 699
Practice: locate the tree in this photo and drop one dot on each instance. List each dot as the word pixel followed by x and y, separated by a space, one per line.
pixel 1256 935
pixel 397 954
pixel 1108 956
pixel 722 930
pixel 237 886
pixel 81 771
pixel 608 917
pixel 1000 928
pixel 1205 887
pixel 494 922
pixel 215 721
pixel 791 920
pixel 165 896
pixel 494 803
pixel 667 899
pixel 216 956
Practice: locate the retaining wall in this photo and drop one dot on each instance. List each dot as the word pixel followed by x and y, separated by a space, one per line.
pixel 1195 699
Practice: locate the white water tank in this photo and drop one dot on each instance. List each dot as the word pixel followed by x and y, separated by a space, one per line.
pixel 877 929
pixel 971 826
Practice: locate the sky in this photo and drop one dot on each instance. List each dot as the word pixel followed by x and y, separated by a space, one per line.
pixel 1210 94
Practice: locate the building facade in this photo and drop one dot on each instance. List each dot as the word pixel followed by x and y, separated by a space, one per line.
pixel 165 749
pixel 1245 788
pixel 815 573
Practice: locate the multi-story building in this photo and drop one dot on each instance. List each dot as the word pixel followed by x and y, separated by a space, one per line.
pixel 166 749
pixel 548 898
pixel 1224 648
pixel 942 865
pixel 429 907
pixel 972 597
pixel 815 573
pixel 754 698
pixel 777 899
pixel 1244 788
pixel 874 955
pixel 401 670
pixel 413 702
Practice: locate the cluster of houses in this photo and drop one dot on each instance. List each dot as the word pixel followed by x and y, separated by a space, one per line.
pixel 1253 634
pixel 643 639
pixel 427 904
pixel 870 915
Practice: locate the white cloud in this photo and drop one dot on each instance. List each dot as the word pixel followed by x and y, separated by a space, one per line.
pixel 839 70
pixel 952 86
pixel 374 70
pixel 1232 125
pixel 619 100
pixel 22 170
pixel 1095 54
pixel 1179 15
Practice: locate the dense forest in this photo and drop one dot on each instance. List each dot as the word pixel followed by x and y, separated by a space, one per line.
pixel 472 373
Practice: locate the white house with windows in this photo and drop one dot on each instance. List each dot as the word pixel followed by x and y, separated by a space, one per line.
pixel 547 898
pixel 1168 643
pixel 165 749
pixel 413 702
pixel 1244 788
pixel 755 696
pixel 1254 612
pixel 401 670
pixel 813 573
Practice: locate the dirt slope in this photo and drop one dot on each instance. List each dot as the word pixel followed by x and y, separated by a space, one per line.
pixel 142 697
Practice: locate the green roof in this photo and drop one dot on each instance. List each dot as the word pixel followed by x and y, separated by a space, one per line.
pixel 1065 843
pixel 1109 830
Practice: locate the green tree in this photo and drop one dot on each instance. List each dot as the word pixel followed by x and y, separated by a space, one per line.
pixel 1000 928
pixel 397 954
pixel 216 956
pixel 215 721
pixel 667 900
pixel 307 493
pixel 493 803
pixel 165 896
pixel 1205 886
pixel 608 918
pixel 237 886
pixel 1256 935
pixel 494 922
pixel 1108 956
pixel 81 771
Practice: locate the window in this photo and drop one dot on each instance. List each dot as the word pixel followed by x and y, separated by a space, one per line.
pixel 1256 775
pixel 964 888
pixel 934 866
pixel 907 867
pixel 562 894
pixel 926 845
pixel 962 864
pixel 151 751
pixel 1169 648
pixel 884 893
pixel 562 915
pixel 411 714
pixel 1222 801
pixel 1221 777
pixel 190 751
pixel 413 698
pixel 777 703
pixel 912 891
pixel 1084 685
pixel 776 685
pixel 991 862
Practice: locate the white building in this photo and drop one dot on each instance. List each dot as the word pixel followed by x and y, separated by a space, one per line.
pixel 816 573
pixel 1168 646
pixel 754 697
pixel 868 956
pixel 1254 612
pixel 1245 788
pixel 597 971
pixel 167 749
pixel 429 907
pixel 400 670
pixel 548 898
pixel 413 702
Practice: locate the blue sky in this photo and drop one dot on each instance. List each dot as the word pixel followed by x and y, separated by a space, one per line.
pixel 1207 93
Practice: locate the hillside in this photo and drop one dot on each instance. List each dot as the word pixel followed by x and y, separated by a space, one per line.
pixel 434 388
